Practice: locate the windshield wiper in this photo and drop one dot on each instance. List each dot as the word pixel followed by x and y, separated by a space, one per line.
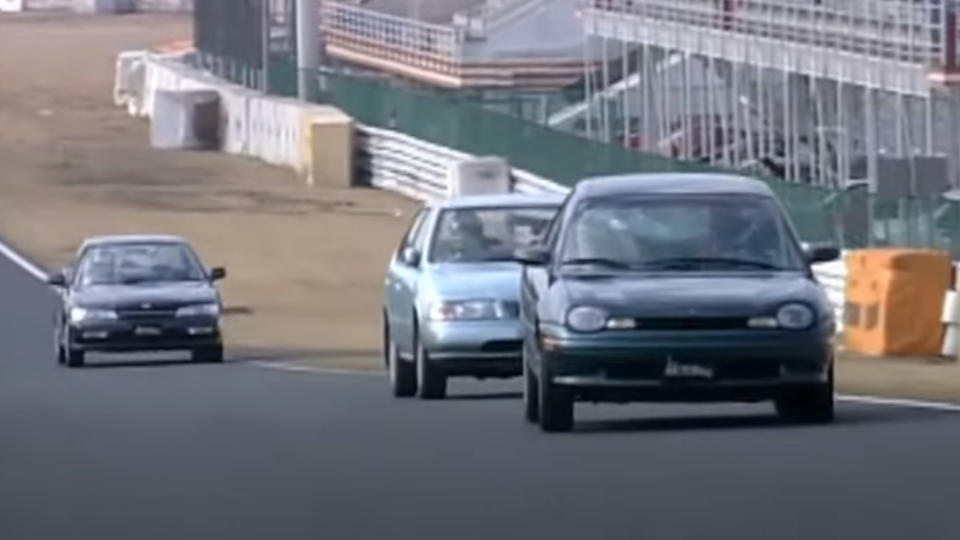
pixel 687 262
pixel 597 261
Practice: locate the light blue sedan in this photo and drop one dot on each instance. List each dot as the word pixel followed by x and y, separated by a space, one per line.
pixel 452 291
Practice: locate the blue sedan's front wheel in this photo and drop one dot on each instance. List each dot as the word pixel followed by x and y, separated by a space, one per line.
pixel 431 381
pixel 403 378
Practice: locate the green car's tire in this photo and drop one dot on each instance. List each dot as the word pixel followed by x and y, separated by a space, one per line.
pixel 556 404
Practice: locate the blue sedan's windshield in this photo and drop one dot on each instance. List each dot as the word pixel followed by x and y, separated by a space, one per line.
pixel 487 234
pixel 680 233
pixel 138 263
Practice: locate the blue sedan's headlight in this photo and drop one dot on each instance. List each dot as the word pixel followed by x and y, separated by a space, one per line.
pixel 795 316
pixel 199 310
pixel 473 310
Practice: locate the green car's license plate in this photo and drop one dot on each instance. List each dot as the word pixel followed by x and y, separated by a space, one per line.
pixel 686 370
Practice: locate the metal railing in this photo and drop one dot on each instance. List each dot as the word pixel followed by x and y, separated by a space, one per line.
pixel 910 31
pixel 396 38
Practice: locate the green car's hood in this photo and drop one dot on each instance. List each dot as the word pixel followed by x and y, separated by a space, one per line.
pixel 688 294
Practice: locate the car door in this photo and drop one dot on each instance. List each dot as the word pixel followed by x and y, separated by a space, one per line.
pixel 401 284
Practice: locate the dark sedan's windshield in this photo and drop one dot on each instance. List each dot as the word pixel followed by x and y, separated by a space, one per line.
pixel 487 234
pixel 715 232
pixel 138 263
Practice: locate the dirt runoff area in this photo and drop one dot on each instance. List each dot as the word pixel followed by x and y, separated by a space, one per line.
pixel 305 265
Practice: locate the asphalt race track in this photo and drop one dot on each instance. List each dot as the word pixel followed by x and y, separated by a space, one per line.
pixel 167 451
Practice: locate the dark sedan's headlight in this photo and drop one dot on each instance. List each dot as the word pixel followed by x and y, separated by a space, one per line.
pixel 199 310
pixel 82 314
pixel 473 310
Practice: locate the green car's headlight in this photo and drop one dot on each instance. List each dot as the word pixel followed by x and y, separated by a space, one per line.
pixel 80 314
pixel 473 310
pixel 587 319
pixel 795 316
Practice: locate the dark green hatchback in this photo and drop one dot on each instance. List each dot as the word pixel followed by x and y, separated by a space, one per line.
pixel 675 287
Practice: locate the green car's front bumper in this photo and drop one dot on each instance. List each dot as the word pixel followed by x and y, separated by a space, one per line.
pixel 686 365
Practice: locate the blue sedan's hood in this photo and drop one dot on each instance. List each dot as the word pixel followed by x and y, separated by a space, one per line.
pixel 158 294
pixel 463 281
pixel 684 295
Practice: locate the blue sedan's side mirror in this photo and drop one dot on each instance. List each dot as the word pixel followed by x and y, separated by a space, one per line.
pixel 216 274
pixel 533 256
pixel 410 256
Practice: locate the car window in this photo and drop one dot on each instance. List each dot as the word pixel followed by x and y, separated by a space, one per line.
pixel 415 225
pixel 138 263
pixel 487 234
pixel 420 235
pixel 701 232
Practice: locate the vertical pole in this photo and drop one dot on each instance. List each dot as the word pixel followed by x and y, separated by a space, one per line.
pixel 813 114
pixel 265 68
pixel 711 110
pixel 787 140
pixel 843 164
pixel 667 101
pixel 625 92
pixel 605 86
pixel 928 123
pixel 735 73
pixel 687 108
pixel 761 114
pixel 644 89
pixel 725 141
pixel 898 124
pixel 750 119
pixel 796 121
pixel 587 90
pixel 308 49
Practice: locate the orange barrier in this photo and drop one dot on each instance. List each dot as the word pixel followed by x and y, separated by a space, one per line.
pixel 894 300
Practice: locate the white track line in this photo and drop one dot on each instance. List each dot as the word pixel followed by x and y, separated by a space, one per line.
pixel 282 366
pixel 20 261
pixel 39 274
pixel 908 403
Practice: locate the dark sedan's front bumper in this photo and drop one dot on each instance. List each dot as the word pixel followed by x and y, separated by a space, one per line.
pixel 173 334
pixel 748 365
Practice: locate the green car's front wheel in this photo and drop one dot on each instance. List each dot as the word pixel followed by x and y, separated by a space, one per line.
pixel 556 404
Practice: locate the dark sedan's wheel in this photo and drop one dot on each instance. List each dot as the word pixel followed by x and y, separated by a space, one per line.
pixel 531 392
pixel 556 404
pixel 75 358
pixel 209 355
pixel 403 376
pixel 61 355
pixel 814 404
pixel 431 382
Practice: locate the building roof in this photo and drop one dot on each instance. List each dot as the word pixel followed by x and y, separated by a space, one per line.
pixel 672 183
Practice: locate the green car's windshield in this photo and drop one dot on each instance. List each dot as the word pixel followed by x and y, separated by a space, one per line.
pixel 128 264
pixel 687 233
pixel 487 234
